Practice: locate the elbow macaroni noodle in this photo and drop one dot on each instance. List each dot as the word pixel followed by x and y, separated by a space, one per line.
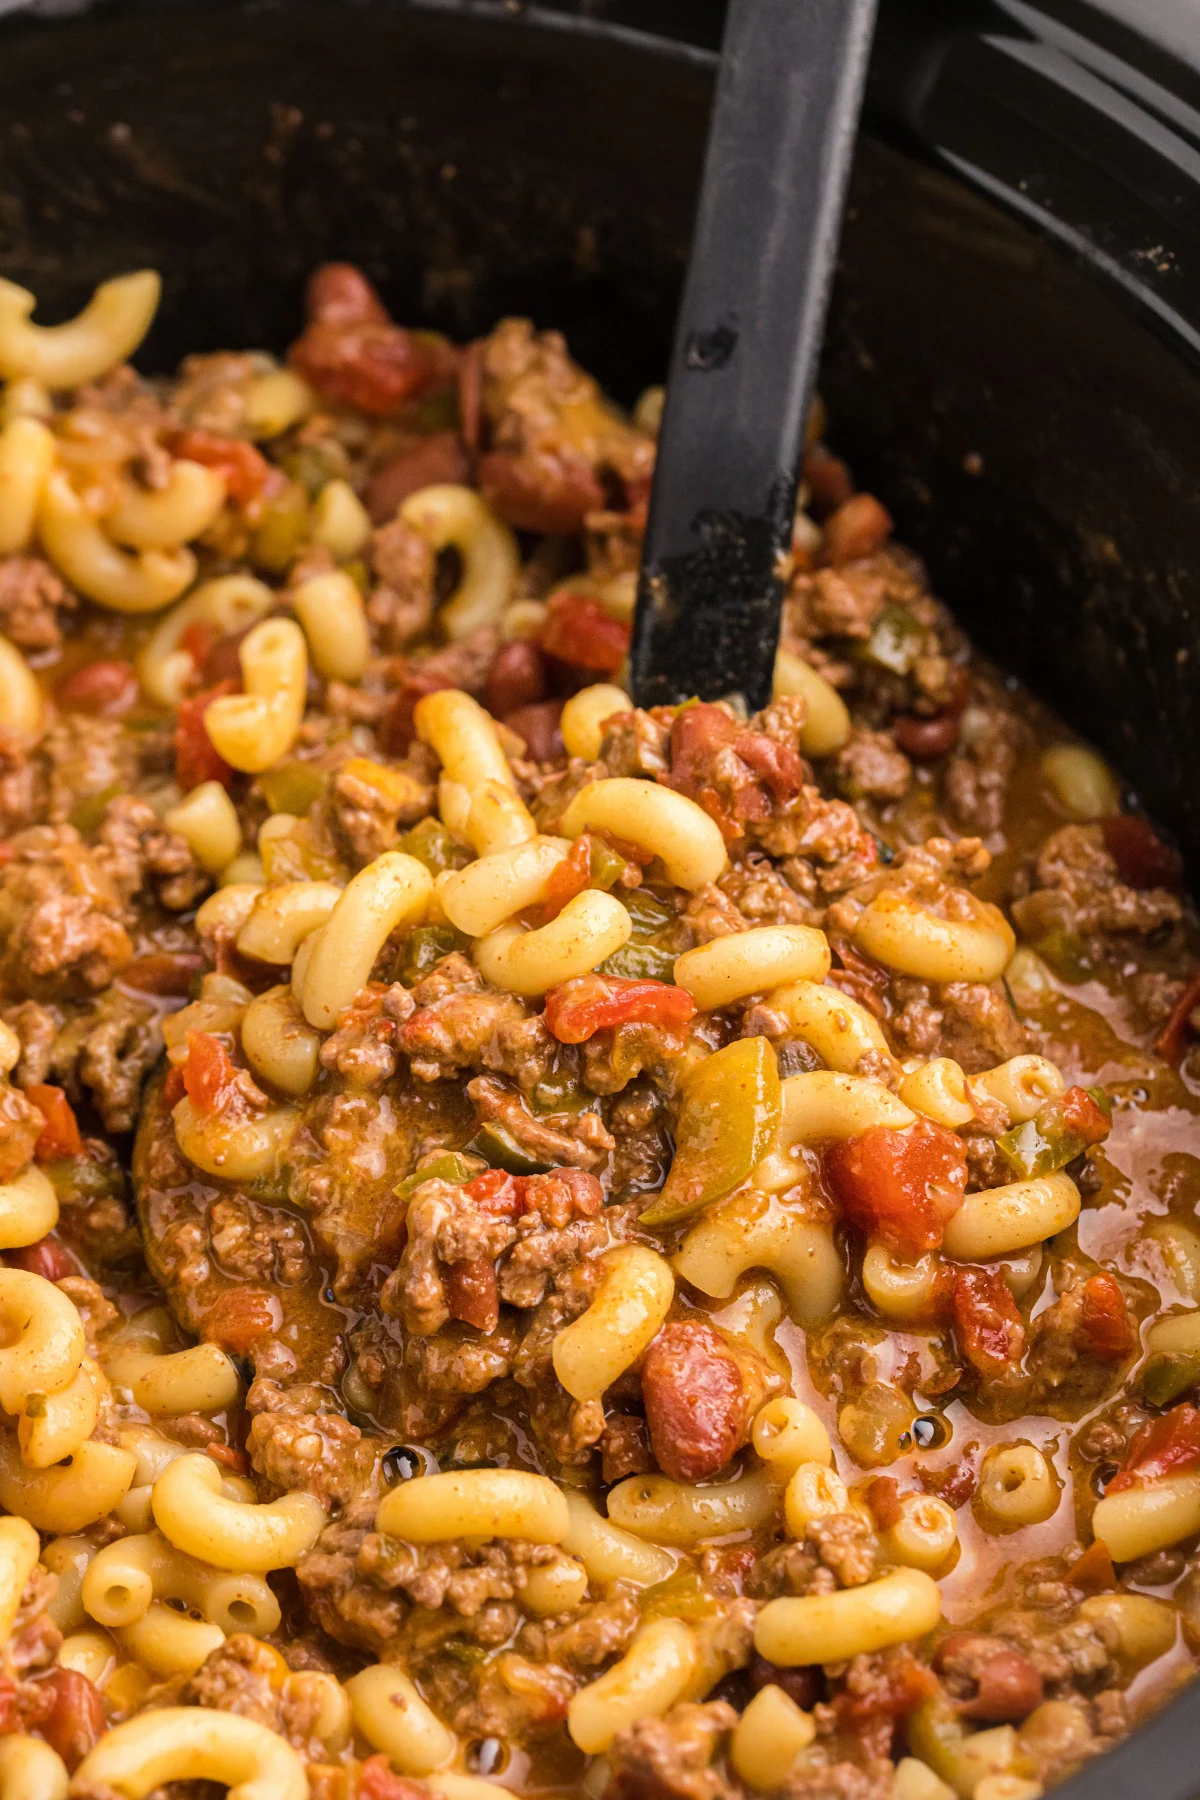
pixel 590 928
pixel 254 729
pixel 682 1516
pixel 193 1514
pixel 195 1743
pixel 391 891
pixel 824 1628
pixel 840 1030
pixel 109 329
pixel 392 1716
pixel 655 1671
pixel 631 1300
pixel 31 1770
pixel 584 715
pixel 123 1581
pixel 906 936
pixel 448 517
pixel 475 1503
pixel 22 712
pixel 463 737
pixel 826 725
pixel 164 519
pixel 754 1230
pixel 207 821
pixel 28 1209
pixel 748 962
pixel 72 1494
pixel 493 888
pixel 144 582
pixel 27 452
pixel 330 608
pixel 225 607
pixel 608 1552
pixel 998 1220
pixel 656 819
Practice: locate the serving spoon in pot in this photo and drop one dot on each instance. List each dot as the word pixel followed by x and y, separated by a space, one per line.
pixel 747 341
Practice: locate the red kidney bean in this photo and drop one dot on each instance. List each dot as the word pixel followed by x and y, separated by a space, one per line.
pixel 46 1258
pixel 439 457
pixel 339 294
pixel 926 739
pixel 104 689
pixel 828 481
pixel 516 678
pixel 538 725
pixel 803 1685
pixel 858 528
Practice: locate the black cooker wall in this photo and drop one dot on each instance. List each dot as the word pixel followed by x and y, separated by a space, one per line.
pixel 477 163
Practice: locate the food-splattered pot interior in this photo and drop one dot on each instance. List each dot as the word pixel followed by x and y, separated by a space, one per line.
pixel 547 1244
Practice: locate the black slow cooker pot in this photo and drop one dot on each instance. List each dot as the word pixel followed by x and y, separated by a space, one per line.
pixel 1012 360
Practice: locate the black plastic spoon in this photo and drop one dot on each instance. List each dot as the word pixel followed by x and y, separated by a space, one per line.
pixel 746 346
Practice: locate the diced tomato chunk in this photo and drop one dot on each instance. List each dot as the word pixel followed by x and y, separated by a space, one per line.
pixel 1083 1117
pixel 578 630
pixel 73 1718
pixel 246 470
pixel 905 1684
pixel 46 1258
pixel 472 1294
pixel 354 355
pixel 987 1324
pixel 209 1074
pixel 1166 1446
pixel 1142 858
pixel 1108 1331
pixel 498 1193
pixel 197 758
pixel 560 1195
pixel 590 1003
pixel 238 1318
pixel 900 1186
pixel 1093 1572
pixel 567 880
pixel 173 1087
pixel 59 1136
pixel 376 1781
pixel 104 689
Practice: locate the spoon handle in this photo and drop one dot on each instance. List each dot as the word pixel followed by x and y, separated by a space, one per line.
pixel 747 341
